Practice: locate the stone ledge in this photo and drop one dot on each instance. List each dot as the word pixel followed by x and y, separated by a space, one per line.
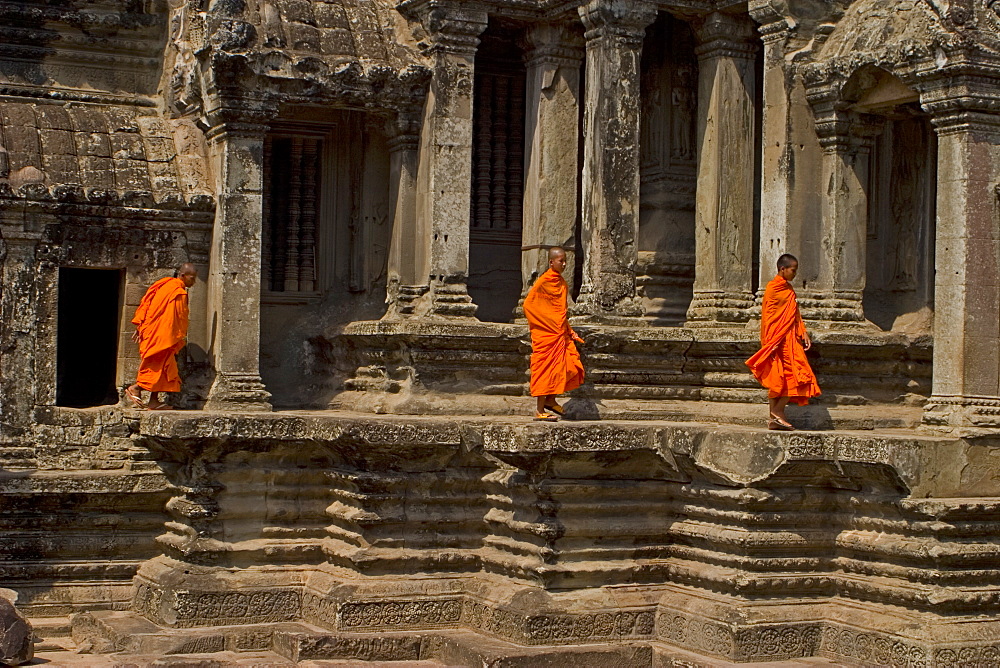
pixel 739 454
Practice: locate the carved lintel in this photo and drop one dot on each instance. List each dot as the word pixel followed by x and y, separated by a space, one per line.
pixel 451 26
pixel 553 44
pixel 403 131
pixel 619 21
pixel 725 36
pixel 238 119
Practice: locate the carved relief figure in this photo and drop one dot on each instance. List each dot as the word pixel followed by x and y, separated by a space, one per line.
pixel 682 114
pixel 906 205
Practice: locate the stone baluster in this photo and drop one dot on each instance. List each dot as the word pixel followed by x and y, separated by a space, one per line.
pixel 236 144
pixel 310 186
pixel 610 203
pixel 724 213
pixel 444 178
pixel 484 150
pixel 294 217
pixel 266 230
pixel 834 299
pixel 406 278
pixel 499 165
pixel 966 389
pixel 554 56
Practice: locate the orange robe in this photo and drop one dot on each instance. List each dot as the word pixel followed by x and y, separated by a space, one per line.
pixel 781 365
pixel 162 321
pixel 555 362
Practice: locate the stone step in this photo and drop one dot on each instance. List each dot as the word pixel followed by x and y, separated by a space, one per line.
pixel 107 632
pixel 132 640
pixel 669 656
pixel 465 648
pixel 51 627
pixel 813 417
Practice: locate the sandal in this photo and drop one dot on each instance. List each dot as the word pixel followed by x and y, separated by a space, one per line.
pixel 545 417
pixel 777 424
pixel 161 407
pixel 135 399
pixel 555 408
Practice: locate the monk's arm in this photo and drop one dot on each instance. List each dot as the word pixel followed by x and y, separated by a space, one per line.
pixel 569 330
pixel 801 332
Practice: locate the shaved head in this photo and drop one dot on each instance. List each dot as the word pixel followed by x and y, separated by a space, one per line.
pixel 787 260
pixel 188 273
pixel 557 259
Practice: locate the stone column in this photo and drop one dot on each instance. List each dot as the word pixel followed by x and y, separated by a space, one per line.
pixel 236 146
pixel 615 31
pixel 791 155
pixel 444 177
pixel 724 215
pixel 22 269
pixel 966 390
pixel 835 297
pixel 406 281
pixel 554 56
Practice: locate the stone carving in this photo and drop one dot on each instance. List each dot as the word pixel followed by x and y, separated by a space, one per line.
pixel 204 608
pixel 401 614
pixel 872 648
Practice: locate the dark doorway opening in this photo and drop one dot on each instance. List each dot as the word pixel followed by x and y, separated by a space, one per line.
pixel 498 130
pixel 87 338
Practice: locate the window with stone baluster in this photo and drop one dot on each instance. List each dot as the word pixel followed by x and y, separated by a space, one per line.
pixel 497 173
pixel 293 189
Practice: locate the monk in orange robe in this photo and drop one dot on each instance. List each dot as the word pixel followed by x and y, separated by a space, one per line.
pixel 161 323
pixel 781 365
pixel 555 362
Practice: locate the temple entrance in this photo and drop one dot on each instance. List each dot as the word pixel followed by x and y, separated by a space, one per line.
pixel 668 164
pixel 899 268
pixel 497 174
pixel 90 305
pixel 327 220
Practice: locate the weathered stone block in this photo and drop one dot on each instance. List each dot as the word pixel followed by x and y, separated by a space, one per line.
pixel 17 639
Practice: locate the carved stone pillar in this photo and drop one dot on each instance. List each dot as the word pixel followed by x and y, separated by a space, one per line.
pixel 406 280
pixel 724 214
pixel 789 194
pixel 615 31
pixel 22 268
pixel 444 177
pixel 835 298
pixel 554 56
pixel 236 145
pixel 966 390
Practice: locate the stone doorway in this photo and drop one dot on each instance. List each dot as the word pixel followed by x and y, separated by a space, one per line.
pixel 498 133
pixel 668 170
pixel 899 289
pixel 90 307
pixel 326 226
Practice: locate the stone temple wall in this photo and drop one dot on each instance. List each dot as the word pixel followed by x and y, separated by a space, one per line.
pixel 350 177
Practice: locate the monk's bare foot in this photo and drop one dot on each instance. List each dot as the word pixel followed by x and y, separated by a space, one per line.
pixel 134 394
